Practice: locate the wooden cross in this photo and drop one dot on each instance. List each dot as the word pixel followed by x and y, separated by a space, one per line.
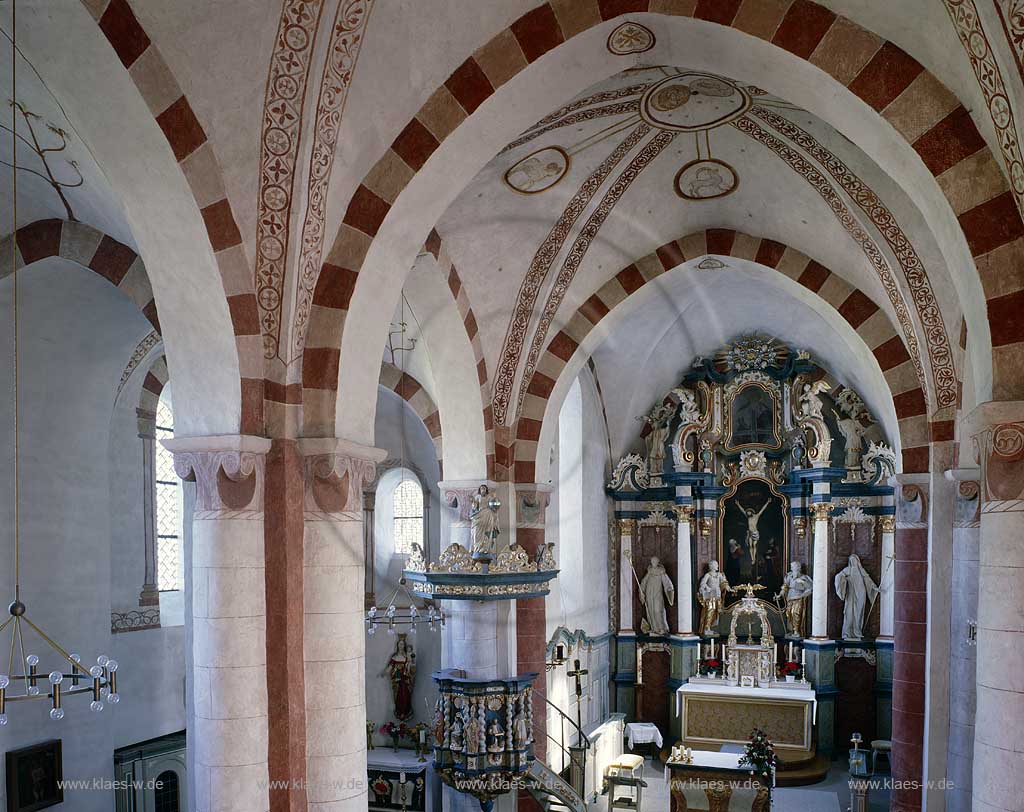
pixel 576 673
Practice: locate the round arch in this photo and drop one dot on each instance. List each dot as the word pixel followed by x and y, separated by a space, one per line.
pixel 874 92
pixel 848 310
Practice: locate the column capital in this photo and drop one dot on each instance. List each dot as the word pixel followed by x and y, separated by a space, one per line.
pixel 228 470
pixel 457 495
pixel 684 513
pixel 997 431
pixel 335 471
pixel 626 526
pixel 887 523
pixel 821 510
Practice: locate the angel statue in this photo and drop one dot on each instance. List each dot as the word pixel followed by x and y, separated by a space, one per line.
pixel 483 518
pixel 809 400
pixel 711 594
pixel 655 591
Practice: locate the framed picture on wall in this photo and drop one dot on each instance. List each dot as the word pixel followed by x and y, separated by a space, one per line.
pixel 33 777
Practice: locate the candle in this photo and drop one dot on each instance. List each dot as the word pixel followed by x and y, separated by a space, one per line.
pixel 401 778
pixel 712 648
pixel 423 736
pixel 803 657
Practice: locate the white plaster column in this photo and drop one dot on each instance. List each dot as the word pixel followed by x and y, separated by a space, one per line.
pixel 998 781
pixel 627 527
pixel 684 571
pixel 887 603
pixel 228 733
pixel 819 597
pixel 334 636
pixel 150 594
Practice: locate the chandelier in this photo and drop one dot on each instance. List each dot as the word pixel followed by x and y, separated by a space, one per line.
pixel 393 616
pixel 70 678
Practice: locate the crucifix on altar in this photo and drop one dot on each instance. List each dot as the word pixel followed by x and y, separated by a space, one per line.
pixel 576 673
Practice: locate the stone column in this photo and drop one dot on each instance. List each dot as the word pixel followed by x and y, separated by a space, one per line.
pixel 963 617
pixel 627 527
pixel 684 571
pixel 229 731
pixel 998 433
pixel 334 644
pixel 150 595
pixel 819 596
pixel 886 619
pixel 910 636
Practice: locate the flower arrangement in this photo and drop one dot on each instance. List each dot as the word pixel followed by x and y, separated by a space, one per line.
pixel 759 753
pixel 397 732
pixel 791 668
pixel 710 667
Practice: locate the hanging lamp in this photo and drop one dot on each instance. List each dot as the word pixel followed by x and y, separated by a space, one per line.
pixel 70 678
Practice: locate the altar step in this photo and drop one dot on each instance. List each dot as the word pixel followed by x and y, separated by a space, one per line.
pixel 802 771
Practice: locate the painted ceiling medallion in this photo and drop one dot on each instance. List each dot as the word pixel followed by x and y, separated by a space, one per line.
pixel 691 102
pixel 630 38
pixel 706 179
pixel 711 264
pixel 538 171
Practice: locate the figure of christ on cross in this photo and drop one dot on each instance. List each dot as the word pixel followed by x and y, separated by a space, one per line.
pixel 753 535
pixel 576 673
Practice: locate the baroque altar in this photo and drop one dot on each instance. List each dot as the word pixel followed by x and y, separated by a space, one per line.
pixel 758 479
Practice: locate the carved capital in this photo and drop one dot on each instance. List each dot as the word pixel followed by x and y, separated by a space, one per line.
pixel 887 523
pixel 228 470
pixel 335 472
pixel 531 504
pixel 821 511
pixel 997 431
pixel 684 513
pixel 626 527
pixel 457 496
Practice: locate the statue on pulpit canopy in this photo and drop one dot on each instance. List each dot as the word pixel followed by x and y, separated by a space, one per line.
pixel 401 669
pixel 483 518
pixel 711 594
pixel 795 590
pixel 655 590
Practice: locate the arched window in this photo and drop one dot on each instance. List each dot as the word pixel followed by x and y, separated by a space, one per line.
pixel 169 566
pixel 407 501
pixel 166 794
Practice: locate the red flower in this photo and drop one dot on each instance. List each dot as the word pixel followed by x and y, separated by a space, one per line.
pixel 712 663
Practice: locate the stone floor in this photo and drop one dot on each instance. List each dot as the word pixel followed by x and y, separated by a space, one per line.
pixel 829 795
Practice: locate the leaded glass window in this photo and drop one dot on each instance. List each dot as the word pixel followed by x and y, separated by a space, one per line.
pixel 169 574
pixel 408 512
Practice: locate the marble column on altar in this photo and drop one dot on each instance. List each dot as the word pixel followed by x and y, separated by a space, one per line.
pixel 334 642
pixel 229 736
pixel 910 635
pixel 819 596
pixel 684 572
pixel 997 429
pixel 886 618
pixel 627 527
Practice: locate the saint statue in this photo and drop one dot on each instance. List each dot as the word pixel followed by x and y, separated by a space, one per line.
pixel 496 737
pixel 473 735
pixel 858 592
pixel 483 517
pixel 711 594
pixel 401 669
pixel 658 421
pixel 795 589
pixel 457 742
pixel 852 431
pixel 522 730
pixel 655 590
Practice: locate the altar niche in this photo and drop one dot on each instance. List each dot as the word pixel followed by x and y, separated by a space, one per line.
pixel 655 540
pixel 753 539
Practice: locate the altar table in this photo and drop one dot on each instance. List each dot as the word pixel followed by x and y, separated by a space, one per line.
pixel 715 782
pixel 726 714
pixel 643 733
